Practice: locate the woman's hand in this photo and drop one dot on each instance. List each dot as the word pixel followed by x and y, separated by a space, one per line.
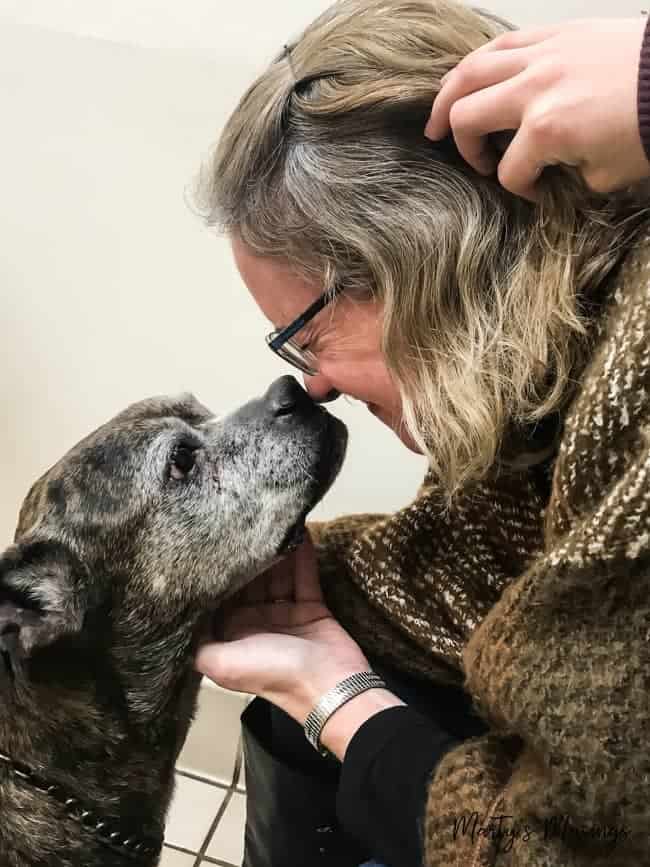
pixel 570 92
pixel 278 640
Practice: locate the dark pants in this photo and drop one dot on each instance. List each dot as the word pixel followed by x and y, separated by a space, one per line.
pixel 291 790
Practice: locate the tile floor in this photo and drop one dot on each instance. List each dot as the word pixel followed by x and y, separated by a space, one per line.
pixel 206 820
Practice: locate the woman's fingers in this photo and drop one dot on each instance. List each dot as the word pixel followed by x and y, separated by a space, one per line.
pixel 231 665
pixel 544 139
pixel 473 75
pixel 487 93
pixel 476 116
pixel 521 166
pixel 518 39
pixel 552 87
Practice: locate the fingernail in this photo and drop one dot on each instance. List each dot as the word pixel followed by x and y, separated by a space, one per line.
pixel 445 77
pixel 430 131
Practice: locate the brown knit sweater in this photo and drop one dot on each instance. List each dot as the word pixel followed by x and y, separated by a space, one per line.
pixel 542 608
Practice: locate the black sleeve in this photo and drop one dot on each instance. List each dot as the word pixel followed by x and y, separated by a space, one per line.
pixel 383 786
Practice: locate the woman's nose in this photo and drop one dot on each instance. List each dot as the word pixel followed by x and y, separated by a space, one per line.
pixel 320 388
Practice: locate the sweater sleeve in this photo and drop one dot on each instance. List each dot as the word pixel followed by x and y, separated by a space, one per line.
pixel 382 791
pixel 643 102
pixel 560 664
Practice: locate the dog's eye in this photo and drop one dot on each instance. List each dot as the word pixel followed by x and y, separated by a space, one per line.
pixel 182 462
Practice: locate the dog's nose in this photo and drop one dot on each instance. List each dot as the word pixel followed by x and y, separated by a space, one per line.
pixel 286 396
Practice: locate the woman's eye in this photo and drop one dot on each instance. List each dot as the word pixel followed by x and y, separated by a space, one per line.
pixel 182 462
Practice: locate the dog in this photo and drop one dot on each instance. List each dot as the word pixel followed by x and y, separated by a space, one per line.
pixel 121 549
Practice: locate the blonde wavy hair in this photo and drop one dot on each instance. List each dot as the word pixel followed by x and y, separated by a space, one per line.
pixel 324 165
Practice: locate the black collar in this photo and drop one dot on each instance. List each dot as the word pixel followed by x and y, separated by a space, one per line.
pixel 127 843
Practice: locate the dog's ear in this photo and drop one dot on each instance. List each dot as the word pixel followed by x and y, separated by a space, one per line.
pixel 42 597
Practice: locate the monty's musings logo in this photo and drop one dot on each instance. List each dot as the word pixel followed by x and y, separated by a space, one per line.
pixel 505 831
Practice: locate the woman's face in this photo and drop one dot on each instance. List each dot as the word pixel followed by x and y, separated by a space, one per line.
pixel 344 336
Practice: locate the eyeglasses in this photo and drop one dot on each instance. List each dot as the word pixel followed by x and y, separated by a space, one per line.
pixel 282 343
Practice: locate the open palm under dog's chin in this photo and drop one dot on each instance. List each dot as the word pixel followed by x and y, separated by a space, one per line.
pixel 280 652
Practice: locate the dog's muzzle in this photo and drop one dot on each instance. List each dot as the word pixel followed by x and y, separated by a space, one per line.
pixel 288 405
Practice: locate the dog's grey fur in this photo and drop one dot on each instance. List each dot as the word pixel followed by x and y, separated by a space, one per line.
pixel 117 557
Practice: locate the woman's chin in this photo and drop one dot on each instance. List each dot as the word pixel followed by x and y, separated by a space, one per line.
pixel 398 428
pixel 407 440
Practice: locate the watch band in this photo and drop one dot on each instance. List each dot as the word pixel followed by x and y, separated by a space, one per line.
pixel 335 698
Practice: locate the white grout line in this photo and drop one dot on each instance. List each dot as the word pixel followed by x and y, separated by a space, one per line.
pixel 239 765
pixel 207 780
pixel 205 860
pixel 234 786
pixel 222 809
pixel 200 855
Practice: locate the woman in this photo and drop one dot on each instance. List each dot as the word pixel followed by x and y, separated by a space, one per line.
pixel 505 340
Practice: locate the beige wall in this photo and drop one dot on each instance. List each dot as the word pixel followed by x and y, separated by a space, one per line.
pixel 111 290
